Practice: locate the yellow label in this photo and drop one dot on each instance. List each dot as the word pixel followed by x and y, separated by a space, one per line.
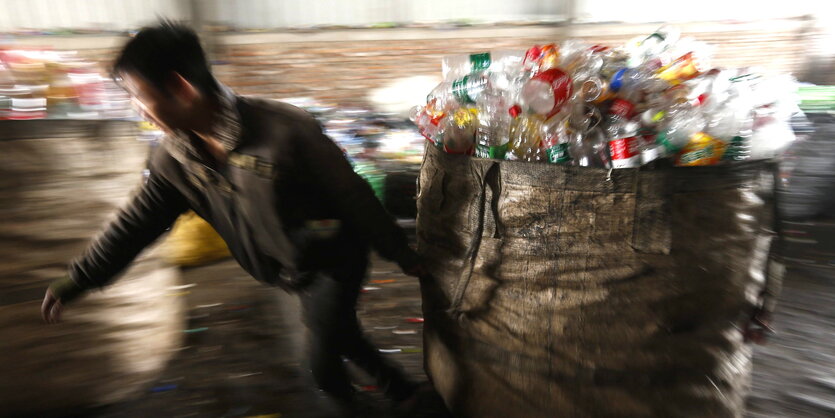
pixel 702 149
pixel 465 116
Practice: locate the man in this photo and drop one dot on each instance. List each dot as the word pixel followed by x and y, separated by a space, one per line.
pixel 262 173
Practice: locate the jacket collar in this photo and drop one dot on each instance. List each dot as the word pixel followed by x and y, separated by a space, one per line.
pixel 226 129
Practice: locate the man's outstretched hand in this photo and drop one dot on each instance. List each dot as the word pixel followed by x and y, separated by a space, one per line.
pixel 59 293
pixel 51 307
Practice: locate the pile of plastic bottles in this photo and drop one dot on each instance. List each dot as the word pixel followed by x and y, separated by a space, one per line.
pixel 656 98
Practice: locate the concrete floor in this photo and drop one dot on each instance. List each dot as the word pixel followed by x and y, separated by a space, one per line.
pixel 244 351
pixel 243 356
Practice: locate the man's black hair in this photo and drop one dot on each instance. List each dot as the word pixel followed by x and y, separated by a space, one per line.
pixel 157 51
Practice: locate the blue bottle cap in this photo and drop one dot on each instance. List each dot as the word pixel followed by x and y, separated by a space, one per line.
pixel 617 80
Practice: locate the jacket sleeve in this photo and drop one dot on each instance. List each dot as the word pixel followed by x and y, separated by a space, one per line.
pixel 151 211
pixel 353 197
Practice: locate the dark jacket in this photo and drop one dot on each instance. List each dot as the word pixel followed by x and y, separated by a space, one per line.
pixel 282 173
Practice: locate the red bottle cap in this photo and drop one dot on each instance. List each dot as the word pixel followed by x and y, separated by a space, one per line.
pixel 515 110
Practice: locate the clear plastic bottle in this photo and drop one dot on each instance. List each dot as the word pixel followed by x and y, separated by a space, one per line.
pixel 450 95
pixel 428 126
pixel 681 121
pixel 573 55
pixel 525 138
pixel 589 149
pixel 654 45
pixel 555 139
pixel 439 101
pixel 495 116
pixel 628 81
pixel 458 66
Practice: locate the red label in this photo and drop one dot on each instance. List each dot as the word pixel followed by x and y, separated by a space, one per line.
pixel 625 148
pixel 622 108
pixel 561 84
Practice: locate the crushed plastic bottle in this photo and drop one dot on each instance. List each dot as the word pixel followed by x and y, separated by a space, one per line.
pixel 546 92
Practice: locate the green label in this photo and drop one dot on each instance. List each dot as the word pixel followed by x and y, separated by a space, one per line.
pixel 696 155
pixel 736 149
pixel 657 35
pixel 480 62
pixel 661 139
pixel 459 90
pixel 558 154
pixel 496 151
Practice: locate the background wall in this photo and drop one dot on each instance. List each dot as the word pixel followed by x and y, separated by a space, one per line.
pixel 342 51
pixel 272 14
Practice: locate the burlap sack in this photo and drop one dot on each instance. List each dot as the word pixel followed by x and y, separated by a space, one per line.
pixel 563 291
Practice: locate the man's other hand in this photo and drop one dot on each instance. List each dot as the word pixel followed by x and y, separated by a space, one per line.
pixel 417 270
pixel 758 329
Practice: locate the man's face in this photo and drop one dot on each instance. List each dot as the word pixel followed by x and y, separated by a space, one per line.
pixel 164 110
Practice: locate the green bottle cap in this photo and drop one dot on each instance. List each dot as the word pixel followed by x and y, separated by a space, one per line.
pixel 480 62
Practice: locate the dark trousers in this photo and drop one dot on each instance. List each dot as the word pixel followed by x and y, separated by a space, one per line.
pixel 329 311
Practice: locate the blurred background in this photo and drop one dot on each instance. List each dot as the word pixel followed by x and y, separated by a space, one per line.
pixel 206 340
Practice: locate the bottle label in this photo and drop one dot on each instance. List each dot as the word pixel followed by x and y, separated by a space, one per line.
pixel 622 108
pixel 626 152
pixel 651 154
pixel 480 62
pixel 560 84
pixel 682 69
pixel 494 151
pixel 558 154
pixel 737 149
pixel 696 156
pixel 701 150
pixel 664 140
pixel 459 90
